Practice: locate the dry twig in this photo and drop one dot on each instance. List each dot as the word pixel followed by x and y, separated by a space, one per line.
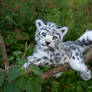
pixel 26 48
pixel 4 54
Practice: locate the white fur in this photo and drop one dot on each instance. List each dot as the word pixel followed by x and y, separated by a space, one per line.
pixel 26 65
pixel 65 30
pixel 77 65
pixel 39 23
pixel 87 34
pixel 56 52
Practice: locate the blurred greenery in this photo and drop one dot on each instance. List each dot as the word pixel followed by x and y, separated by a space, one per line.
pixel 17 26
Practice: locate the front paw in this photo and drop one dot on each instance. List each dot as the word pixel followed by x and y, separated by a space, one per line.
pixel 25 65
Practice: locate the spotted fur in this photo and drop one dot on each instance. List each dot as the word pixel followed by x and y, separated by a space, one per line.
pixel 51 51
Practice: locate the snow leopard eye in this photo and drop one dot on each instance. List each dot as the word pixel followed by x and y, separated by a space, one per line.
pixel 55 37
pixel 43 34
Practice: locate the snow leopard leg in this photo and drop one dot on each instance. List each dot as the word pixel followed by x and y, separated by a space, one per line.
pixel 30 59
pixel 77 63
pixel 37 61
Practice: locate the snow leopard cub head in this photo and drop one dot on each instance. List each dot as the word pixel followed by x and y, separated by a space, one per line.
pixel 48 34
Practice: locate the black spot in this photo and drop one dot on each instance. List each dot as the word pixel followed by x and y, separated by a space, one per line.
pixel 51 55
pixel 68 49
pixel 57 48
pixel 73 57
pixel 57 59
pixel 82 61
pixel 49 24
pixel 87 70
pixel 46 63
pixel 53 29
pixel 65 49
pixel 78 49
pixel 58 27
pixel 64 58
pixel 44 21
pixel 83 40
pixel 69 54
pixel 47 30
pixel 44 34
pixel 46 58
pixel 73 47
pixel 42 29
pixel 38 36
pixel 57 54
pixel 38 33
pixel 81 56
pixel 39 47
pixel 38 59
pixel 52 65
pixel 51 61
pixel 78 42
pixel 62 54
pixel 78 58
pixel 48 52
pixel 39 23
pixel 36 51
pixel 63 30
pixel 76 53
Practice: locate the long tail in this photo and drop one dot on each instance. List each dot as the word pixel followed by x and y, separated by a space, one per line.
pixel 85 41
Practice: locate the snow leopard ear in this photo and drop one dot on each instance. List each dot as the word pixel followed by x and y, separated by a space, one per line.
pixel 63 30
pixel 40 23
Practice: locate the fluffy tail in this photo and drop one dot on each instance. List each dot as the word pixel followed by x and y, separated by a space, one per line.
pixel 85 41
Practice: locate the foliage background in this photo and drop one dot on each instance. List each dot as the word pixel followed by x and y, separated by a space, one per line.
pixel 17 25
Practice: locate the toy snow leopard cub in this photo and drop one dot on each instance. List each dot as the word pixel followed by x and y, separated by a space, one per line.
pixel 51 51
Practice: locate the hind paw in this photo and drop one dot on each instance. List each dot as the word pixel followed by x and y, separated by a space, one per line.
pixel 86 75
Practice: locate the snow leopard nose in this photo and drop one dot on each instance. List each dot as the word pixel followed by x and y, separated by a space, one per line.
pixel 47 43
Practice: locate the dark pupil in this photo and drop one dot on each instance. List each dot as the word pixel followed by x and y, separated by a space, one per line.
pixel 54 37
pixel 43 34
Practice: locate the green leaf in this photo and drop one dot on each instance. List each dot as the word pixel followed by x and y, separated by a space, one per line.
pixel 36 70
pixel 11 58
pixel 16 53
pixel 2 77
pixel 11 87
pixel 33 85
pixel 20 83
pixel 14 72
pixel 21 61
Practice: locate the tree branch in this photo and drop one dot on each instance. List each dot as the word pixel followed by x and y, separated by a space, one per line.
pixel 47 74
pixel 25 51
pixel 4 54
pixel 65 67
